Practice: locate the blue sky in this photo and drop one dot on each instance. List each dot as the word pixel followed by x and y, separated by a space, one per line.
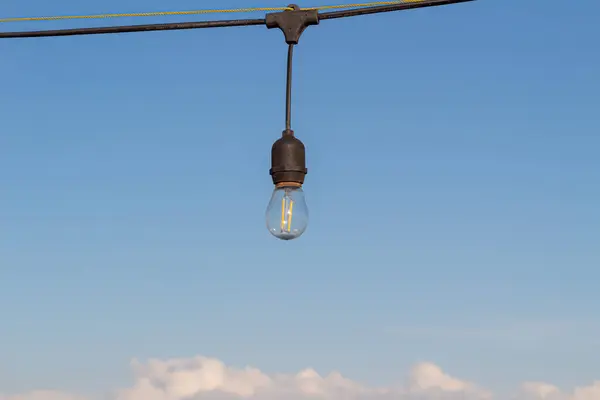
pixel 453 188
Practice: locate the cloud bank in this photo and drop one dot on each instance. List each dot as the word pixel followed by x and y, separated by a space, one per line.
pixel 203 378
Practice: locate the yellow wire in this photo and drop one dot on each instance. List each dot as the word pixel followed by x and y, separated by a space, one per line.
pixel 196 12
pixel 360 5
pixel 145 14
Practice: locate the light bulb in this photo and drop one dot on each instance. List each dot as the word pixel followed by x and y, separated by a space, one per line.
pixel 287 213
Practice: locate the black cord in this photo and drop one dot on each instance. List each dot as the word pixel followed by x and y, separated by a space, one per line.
pixel 381 9
pixel 288 92
pixel 220 24
pixel 134 28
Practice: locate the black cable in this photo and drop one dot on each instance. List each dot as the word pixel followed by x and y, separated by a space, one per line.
pixel 134 28
pixel 288 92
pixel 220 24
pixel 381 9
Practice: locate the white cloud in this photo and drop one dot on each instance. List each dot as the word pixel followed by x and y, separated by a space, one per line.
pixel 203 378
pixel 545 391
pixel 541 390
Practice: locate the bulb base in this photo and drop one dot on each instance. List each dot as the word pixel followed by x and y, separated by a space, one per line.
pixel 288 160
pixel 288 185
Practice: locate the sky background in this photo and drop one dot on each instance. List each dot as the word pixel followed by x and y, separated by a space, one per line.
pixel 453 188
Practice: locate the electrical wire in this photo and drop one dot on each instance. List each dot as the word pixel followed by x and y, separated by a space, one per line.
pixel 397 6
pixel 288 91
pixel 200 12
pixel 132 28
pixel 363 9
pixel 361 5
pixel 145 14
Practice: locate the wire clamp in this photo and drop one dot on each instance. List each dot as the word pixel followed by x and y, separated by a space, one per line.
pixel 292 22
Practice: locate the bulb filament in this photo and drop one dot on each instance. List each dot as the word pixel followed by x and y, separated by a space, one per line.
pixel 287 207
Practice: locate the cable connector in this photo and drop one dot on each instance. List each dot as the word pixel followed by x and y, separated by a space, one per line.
pixel 292 23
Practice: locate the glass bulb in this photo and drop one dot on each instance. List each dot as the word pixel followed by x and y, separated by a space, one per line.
pixel 287 213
